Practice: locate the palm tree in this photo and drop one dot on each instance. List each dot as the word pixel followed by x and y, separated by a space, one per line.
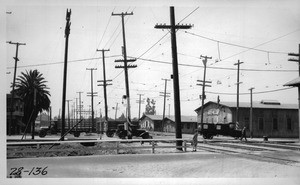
pixel 26 84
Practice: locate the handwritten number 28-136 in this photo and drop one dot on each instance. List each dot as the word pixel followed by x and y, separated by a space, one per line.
pixel 33 171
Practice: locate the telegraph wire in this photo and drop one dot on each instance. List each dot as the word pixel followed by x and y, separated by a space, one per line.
pixel 105 29
pixel 263 43
pixel 188 15
pixel 190 65
pixel 236 45
pixel 261 92
pixel 71 61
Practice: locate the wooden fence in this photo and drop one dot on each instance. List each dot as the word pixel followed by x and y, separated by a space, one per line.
pixel 153 145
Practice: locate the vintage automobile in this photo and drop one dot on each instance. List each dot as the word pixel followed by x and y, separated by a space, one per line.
pixel 121 132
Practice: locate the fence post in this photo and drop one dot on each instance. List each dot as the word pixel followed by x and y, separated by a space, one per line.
pixel 153 146
pixel 117 147
pixel 184 144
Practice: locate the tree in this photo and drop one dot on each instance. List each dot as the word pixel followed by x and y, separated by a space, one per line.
pixel 26 84
pixel 122 118
pixel 150 110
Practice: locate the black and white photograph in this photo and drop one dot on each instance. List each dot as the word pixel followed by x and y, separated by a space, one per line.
pixel 150 92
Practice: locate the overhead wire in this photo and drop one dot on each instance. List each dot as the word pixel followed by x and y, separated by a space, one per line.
pixel 190 65
pixel 70 61
pixel 261 92
pixel 139 57
pixel 236 45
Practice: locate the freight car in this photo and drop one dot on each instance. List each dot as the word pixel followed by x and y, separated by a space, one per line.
pixel 209 130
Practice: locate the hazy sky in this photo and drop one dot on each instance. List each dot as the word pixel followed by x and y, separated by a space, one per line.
pixel 219 30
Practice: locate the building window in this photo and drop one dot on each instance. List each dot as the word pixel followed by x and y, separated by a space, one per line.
pixel 289 123
pixel 188 126
pixel 261 123
pixel 182 125
pixel 275 124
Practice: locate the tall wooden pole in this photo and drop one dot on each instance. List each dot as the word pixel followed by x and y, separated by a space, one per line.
pixel 67 32
pixel 126 66
pixel 238 91
pixel 173 26
pixel 251 113
pixel 203 97
pixel 92 94
pixel 10 124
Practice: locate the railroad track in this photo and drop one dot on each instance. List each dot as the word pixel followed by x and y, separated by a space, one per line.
pixel 250 152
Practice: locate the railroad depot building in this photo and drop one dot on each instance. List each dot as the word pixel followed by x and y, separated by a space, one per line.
pixel 269 118
pixel 158 124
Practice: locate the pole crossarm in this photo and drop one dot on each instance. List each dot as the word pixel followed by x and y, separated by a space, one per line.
pixel 127 60
pixel 293 54
pixel 293 60
pixel 178 26
pixel 128 66
pixel 121 14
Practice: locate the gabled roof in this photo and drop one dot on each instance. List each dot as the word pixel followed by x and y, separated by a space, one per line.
pixel 152 117
pixel 267 104
pixel 172 118
pixel 184 118
pixel 294 83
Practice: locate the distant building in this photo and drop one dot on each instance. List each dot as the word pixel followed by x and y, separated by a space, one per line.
pixel 17 126
pixel 188 124
pixel 151 122
pixel 270 118
pixel 158 124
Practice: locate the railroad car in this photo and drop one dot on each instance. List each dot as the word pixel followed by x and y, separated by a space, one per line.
pixel 209 130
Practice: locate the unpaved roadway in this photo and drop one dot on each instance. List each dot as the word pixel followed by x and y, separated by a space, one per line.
pixel 199 164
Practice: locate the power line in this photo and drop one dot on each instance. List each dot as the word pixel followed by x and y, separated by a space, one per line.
pixel 262 92
pixel 263 44
pixel 190 65
pixel 188 15
pixel 105 29
pixel 236 45
pixel 70 61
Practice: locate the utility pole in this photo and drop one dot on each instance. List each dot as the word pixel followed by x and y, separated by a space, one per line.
pixel 13 85
pixel 297 84
pixel 104 81
pixel 116 112
pixel 76 111
pixel 126 66
pixel 173 27
pixel 50 114
pixel 165 95
pixel 251 113
pixel 238 92
pixel 203 97
pixel 92 94
pixel 68 114
pixel 67 32
pixel 34 109
pixel 80 106
pixel 140 102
